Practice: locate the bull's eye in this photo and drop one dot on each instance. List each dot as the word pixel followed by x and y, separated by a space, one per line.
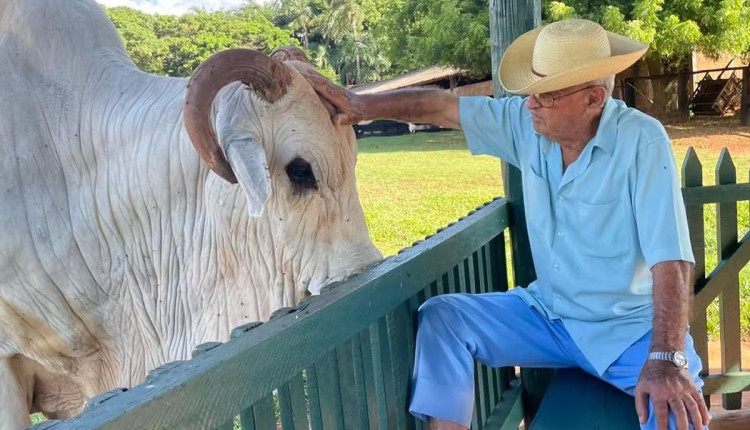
pixel 301 174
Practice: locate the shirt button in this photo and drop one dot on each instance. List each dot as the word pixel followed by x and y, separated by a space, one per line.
pixel 555 266
pixel 560 198
pixel 559 234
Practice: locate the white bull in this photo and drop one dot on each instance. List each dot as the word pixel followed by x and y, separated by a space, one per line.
pixel 119 249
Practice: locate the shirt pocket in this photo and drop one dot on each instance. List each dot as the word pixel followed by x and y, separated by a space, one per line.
pixel 600 228
pixel 536 197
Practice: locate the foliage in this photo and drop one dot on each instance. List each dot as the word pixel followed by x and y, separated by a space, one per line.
pixel 358 41
pixel 445 32
pixel 673 28
pixel 175 46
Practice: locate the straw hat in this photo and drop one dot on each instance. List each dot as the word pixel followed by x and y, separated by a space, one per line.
pixel 563 54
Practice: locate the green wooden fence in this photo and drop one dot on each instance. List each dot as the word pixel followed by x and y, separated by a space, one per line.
pixel 723 282
pixel 343 360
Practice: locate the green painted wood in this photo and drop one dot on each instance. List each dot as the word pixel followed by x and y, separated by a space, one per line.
pixel 378 375
pixel 692 176
pixel 577 400
pixel 313 398
pixel 370 377
pixel 491 388
pixel 247 420
pixel 360 383
pixel 400 336
pixel 733 382
pixel 264 412
pixel 347 385
pixel 285 408
pixel 723 273
pixel 394 411
pixel 329 394
pixel 716 194
pixel 298 402
pixel 508 413
pixel 229 425
pixel 729 300
pixel 204 392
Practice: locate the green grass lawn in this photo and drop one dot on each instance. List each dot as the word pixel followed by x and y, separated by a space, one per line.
pixel 412 185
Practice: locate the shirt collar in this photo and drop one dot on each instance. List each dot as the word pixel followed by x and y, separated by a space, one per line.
pixel 606 133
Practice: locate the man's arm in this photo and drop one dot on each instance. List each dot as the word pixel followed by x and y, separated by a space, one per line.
pixel 668 386
pixel 415 105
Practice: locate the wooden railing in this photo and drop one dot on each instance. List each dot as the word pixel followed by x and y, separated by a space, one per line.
pixel 342 360
pixel 722 282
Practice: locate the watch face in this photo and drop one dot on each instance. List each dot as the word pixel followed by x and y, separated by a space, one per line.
pixel 680 359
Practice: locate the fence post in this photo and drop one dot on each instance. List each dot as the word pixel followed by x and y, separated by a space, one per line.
pixel 745 101
pixel 729 300
pixel 683 100
pixel 628 92
pixel 508 20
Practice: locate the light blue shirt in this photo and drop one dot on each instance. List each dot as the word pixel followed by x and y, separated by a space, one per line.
pixel 596 229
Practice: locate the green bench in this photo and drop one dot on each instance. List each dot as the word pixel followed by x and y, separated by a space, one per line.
pixel 578 401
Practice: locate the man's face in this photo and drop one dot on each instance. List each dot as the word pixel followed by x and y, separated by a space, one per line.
pixel 558 115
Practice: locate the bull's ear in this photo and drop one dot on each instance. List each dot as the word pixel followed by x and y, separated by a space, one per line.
pixel 248 160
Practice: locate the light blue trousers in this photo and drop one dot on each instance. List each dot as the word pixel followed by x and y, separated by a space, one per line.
pixel 500 329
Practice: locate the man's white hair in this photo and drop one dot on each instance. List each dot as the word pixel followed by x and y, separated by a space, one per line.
pixel 608 82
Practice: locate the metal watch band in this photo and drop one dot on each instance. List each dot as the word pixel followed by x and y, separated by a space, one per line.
pixel 678 358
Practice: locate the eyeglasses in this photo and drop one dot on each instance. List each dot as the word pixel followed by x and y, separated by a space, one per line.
pixel 548 101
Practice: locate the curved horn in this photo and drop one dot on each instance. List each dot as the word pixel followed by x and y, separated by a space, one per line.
pixel 267 77
pixel 287 53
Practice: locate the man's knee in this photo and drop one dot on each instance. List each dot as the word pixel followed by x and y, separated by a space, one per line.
pixel 440 306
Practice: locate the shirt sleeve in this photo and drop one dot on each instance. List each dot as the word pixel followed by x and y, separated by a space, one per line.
pixel 492 126
pixel 659 207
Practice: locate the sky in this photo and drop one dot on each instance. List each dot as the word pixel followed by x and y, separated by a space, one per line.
pixel 178 7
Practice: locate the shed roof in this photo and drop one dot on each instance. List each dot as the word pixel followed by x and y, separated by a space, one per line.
pixel 417 77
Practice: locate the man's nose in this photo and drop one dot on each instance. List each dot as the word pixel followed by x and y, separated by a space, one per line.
pixel 532 102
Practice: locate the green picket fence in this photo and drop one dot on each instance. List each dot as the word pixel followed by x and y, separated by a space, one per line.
pixel 341 360
pixel 722 283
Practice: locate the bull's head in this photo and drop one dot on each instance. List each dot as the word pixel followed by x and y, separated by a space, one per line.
pixel 295 167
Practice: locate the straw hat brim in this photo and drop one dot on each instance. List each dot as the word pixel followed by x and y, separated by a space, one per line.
pixel 516 74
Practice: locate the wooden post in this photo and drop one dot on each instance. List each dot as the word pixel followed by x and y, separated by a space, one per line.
pixel 628 92
pixel 508 20
pixel 745 108
pixel 683 99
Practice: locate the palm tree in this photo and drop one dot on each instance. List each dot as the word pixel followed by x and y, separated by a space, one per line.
pixel 300 16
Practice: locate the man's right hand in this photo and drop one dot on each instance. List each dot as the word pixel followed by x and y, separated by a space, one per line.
pixel 349 107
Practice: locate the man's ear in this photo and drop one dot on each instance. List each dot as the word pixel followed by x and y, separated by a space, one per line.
pixel 598 97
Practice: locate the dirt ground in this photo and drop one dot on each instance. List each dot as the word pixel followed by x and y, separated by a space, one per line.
pixel 709 135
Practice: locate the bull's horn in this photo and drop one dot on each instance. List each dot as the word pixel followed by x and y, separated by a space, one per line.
pixel 287 53
pixel 266 76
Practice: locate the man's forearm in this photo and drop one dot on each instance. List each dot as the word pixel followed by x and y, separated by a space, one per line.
pixel 419 106
pixel 672 296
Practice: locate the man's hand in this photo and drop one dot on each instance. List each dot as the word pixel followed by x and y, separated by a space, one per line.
pixel 349 108
pixel 670 388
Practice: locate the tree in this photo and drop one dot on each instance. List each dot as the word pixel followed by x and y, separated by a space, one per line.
pixel 672 28
pixel 175 46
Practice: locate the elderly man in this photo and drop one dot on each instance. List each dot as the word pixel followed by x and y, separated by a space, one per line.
pixel 606 224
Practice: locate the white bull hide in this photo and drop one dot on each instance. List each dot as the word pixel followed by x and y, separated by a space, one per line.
pixel 119 249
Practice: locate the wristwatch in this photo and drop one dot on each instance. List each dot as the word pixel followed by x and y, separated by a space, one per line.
pixel 678 358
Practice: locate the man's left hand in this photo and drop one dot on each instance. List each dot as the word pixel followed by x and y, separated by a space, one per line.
pixel 670 388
